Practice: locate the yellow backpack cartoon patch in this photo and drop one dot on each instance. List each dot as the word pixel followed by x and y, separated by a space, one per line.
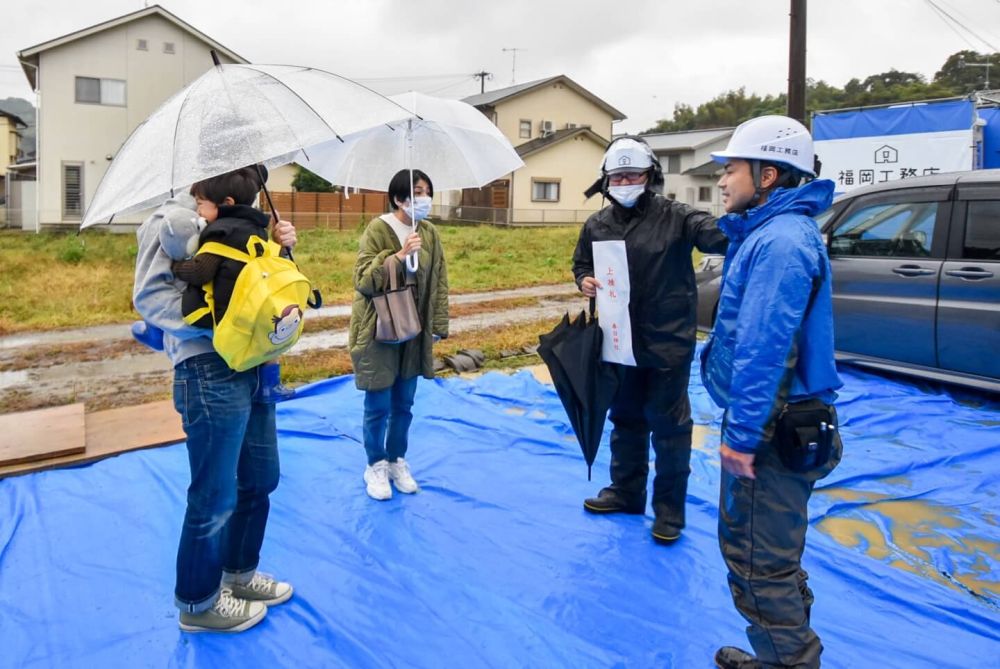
pixel 265 313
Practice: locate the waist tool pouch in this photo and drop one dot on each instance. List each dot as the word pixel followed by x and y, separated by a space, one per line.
pixel 804 435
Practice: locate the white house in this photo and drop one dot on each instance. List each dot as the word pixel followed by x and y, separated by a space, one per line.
pixel 93 87
pixel 689 173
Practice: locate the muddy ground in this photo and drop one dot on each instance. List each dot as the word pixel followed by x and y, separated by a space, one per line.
pixel 103 367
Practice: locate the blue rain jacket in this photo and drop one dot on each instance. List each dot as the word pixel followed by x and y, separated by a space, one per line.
pixel 775 253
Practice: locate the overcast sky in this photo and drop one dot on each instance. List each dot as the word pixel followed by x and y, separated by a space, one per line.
pixel 642 56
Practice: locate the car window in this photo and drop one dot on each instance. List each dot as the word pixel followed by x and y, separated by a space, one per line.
pixel 821 219
pixel 982 231
pixel 900 230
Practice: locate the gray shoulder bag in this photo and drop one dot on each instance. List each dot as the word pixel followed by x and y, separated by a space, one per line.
pixel 397 319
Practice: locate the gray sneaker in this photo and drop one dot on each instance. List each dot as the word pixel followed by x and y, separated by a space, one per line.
pixel 228 614
pixel 262 588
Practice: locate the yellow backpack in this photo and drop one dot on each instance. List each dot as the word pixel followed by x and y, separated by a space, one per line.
pixel 265 313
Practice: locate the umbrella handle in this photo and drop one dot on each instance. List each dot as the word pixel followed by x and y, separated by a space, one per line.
pixel 270 205
pixel 593 306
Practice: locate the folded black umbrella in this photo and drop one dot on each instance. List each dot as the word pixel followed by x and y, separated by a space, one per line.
pixel 586 384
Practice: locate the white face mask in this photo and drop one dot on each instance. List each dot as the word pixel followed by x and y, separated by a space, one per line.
pixel 420 209
pixel 626 196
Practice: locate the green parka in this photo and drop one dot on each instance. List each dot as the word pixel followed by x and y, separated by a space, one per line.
pixel 377 365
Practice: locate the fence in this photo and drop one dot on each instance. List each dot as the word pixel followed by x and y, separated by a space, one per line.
pixel 339 212
pixel 334 211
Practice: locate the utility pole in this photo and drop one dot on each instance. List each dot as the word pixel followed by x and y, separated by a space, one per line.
pixel 483 75
pixel 797 61
pixel 513 63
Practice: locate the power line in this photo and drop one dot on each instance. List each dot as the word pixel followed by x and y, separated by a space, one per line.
pixel 968 19
pixel 415 77
pixel 962 25
pixel 452 85
pixel 941 16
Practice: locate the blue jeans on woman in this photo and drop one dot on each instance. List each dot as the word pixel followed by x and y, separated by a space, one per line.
pixel 387 420
pixel 233 452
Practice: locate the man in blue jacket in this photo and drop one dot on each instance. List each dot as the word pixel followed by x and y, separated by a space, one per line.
pixel 769 363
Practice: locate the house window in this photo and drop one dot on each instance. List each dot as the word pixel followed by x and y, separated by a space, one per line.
pixel 72 190
pixel 704 194
pixel 545 190
pixel 673 164
pixel 91 90
pixel 524 129
pixel 168 47
pixel 142 45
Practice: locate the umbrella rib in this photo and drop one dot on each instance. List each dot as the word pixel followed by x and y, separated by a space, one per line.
pixel 284 86
pixel 370 90
pixel 295 93
pixel 173 143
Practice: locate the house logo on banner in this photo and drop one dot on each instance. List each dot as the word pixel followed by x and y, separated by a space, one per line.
pixel 886 154
pixel 859 148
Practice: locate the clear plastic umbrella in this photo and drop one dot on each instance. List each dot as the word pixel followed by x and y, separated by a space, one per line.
pixel 230 117
pixel 453 142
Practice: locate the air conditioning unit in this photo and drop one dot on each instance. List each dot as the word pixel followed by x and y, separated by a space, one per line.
pixel 547 128
pixel 570 126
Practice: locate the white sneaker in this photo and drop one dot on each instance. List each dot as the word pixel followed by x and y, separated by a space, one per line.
pixel 377 478
pixel 399 473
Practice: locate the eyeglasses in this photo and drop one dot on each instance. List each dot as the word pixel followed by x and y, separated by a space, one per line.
pixel 626 178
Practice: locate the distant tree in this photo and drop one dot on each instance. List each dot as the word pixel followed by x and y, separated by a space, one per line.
pixel 308 182
pixel 728 109
pixel 733 107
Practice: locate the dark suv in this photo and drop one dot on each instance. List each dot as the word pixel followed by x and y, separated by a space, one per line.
pixel 916 277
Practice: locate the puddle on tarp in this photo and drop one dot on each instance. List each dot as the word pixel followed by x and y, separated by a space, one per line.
pixel 910 534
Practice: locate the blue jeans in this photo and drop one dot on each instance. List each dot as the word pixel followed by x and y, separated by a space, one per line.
pixel 387 420
pixel 233 453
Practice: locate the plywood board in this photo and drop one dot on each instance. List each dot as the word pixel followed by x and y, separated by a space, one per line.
pixel 42 434
pixel 115 431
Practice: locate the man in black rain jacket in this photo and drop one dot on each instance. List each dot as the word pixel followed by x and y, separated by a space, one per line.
pixel 659 236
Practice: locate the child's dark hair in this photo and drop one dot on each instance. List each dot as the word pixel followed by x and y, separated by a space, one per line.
pixel 242 185
pixel 399 187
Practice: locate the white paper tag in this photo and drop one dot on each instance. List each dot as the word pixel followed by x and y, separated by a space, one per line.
pixel 611 269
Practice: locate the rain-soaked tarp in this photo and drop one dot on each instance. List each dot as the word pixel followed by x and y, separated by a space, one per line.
pixel 495 564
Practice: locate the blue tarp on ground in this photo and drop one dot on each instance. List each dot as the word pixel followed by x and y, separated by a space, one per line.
pixel 495 564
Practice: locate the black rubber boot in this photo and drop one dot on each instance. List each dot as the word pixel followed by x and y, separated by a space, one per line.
pixel 665 530
pixel 610 500
pixel 730 657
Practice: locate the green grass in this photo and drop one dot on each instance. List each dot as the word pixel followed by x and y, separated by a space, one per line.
pixel 58 280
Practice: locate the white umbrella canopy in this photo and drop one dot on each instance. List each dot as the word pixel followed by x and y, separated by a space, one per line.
pixel 230 117
pixel 451 141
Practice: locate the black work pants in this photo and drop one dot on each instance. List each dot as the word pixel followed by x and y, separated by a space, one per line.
pixel 653 402
pixel 762 533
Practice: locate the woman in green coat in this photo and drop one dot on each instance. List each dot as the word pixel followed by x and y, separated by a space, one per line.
pixel 388 372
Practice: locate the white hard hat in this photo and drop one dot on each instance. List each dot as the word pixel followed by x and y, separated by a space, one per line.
pixel 627 155
pixel 776 139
